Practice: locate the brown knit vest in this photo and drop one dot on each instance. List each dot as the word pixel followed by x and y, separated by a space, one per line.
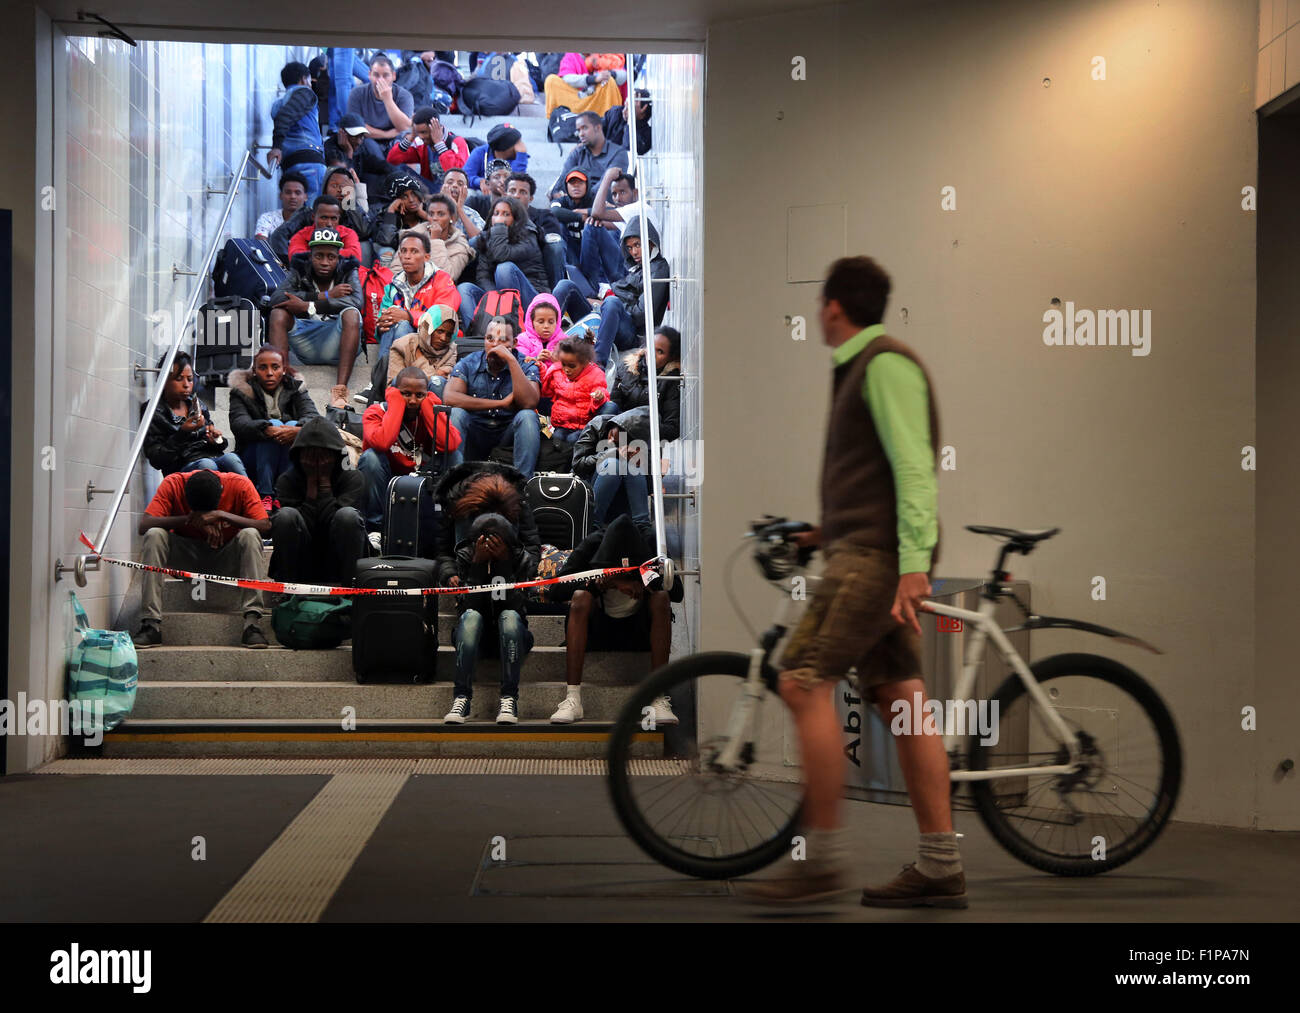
pixel 859 504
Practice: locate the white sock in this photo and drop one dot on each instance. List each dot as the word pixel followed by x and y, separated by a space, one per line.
pixel 574 694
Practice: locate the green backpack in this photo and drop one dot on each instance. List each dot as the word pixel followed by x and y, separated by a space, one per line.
pixel 305 623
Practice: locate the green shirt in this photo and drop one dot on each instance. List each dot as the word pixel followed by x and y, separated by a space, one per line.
pixel 895 392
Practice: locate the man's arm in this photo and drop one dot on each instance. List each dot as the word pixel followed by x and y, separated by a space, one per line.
pixel 148 521
pixel 896 394
pixel 295 106
pixel 600 209
pixel 454 395
pixel 524 392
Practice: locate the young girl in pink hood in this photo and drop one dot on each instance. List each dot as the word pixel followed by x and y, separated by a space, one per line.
pixel 541 327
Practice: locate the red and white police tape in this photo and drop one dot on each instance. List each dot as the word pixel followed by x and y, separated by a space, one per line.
pixel 648 571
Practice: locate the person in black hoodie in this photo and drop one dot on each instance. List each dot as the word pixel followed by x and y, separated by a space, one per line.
pixel 615 123
pixel 318 532
pixel 632 387
pixel 317 308
pixel 181 435
pixel 266 407
pixel 616 613
pixel 546 228
pixel 490 509
pixel 622 313
pixel 509 255
pixel 351 213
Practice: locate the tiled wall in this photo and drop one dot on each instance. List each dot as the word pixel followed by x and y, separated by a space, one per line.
pixel 147 131
pixel 673 170
pixel 1279 49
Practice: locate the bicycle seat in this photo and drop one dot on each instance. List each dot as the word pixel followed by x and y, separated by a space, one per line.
pixel 1011 534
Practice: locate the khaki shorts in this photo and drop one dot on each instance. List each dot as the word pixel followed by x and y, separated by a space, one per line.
pixel 848 624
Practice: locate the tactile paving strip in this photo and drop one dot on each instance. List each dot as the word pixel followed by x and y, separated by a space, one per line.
pixel 434 765
pixel 299 873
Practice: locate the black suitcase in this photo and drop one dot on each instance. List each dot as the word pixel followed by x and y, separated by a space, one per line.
pixel 395 637
pixel 562 508
pixel 411 513
pixel 248 268
pixel 226 332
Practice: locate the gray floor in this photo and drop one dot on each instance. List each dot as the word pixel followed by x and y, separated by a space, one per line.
pixel 118 848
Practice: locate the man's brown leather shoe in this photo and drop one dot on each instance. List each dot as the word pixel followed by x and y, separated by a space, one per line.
pixel 911 889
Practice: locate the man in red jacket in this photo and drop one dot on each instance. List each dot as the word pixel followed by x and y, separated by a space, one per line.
pixel 328 212
pixel 450 150
pixel 398 434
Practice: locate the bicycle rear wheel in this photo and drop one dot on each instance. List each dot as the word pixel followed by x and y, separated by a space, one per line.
pixel 1114 805
pixel 696 818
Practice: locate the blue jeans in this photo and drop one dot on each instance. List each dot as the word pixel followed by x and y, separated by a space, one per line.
pixel 616 329
pixel 553 258
pixel 378 471
pixel 386 339
pixel 343 66
pixel 601 257
pixel 605 487
pixel 226 462
pixel 569 295
pixel 516 641
pixel 509 276
pixel 314 174
pixel 565 435
pixel 265 461
pixel 478 437
pixel 470 294
pixel 318 342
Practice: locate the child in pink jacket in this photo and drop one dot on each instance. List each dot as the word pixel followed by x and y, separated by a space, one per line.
pixel 575 385
pixel 541 327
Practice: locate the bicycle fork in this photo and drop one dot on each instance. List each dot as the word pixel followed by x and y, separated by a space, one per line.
pixel 741 720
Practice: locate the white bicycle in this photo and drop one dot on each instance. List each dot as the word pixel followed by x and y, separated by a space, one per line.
pixel 1082 778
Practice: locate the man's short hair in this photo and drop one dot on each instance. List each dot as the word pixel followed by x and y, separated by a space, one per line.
pixel 860 286
pixel 331 173
pixel 327 199
pixel 293 73
pixel 410 373
pixel 203 490
pixel 444 200
pixel 381 58
pixel 292 177
pixel 593 118
pixel 459 170
pixel 423 237
pixel 508 321
pixel 425 114
pixel 624 177
pixel 532 183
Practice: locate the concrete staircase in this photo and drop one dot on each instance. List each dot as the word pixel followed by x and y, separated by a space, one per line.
pixel 202 694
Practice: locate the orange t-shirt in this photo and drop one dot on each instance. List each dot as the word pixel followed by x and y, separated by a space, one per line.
pixel 238 496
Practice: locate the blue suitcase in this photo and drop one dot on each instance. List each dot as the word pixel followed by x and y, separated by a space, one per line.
pixel 247 268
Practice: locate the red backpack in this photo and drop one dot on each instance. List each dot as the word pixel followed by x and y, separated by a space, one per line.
pixel 373 282
pixel 504 302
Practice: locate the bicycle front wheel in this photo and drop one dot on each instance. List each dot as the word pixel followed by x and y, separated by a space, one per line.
pixel 1120 795
pixel 686 811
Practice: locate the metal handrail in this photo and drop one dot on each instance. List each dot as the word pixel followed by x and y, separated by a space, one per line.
pixel 85 561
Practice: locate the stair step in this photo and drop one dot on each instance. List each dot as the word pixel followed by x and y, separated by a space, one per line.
pixel 325 701
pixel 372 738
pixel 206 629
pixel 238 665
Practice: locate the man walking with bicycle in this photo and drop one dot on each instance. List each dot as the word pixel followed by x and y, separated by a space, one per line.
pixel 879 533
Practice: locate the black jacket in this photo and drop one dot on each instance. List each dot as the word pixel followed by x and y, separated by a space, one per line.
pixel 631 390
pixel 615 125
pixel 518 566
pixel 248 415
pixel 630 286
pixel 304 216
pixel 623 538
pixel 300 281
pixel 495 247
pixel 169 449
pixel 347 488
pixel 369 161
pixel 451 487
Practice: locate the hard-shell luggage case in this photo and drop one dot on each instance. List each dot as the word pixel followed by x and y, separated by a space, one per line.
pixel 395 637
pixel 562 507
pixel 247 268
pixel 411 513
pixel 226 332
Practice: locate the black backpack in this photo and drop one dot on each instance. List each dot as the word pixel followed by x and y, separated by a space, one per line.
pixel 495 67
pixel 414 77
pixel 484 96
pixel 562 127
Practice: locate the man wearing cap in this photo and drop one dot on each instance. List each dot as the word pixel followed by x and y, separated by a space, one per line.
pixel 504 142
pixel 316 310
pixel 492 187
pixel 384 107
pixel 594 153
pixel 427 140
pixel 326 212
pixel 295 132
pixel 352 147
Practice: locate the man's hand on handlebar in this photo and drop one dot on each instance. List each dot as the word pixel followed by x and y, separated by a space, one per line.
pixel 808 539
pixel 912 588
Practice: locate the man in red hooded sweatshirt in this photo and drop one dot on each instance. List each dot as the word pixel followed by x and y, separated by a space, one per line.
pixel 398 434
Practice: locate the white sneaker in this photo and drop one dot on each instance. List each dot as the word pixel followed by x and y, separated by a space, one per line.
pixel 376 542
pixel 506 714
pixel 664 711
pixel 570 710
pixel 458 713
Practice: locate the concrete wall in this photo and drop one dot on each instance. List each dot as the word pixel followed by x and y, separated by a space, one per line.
pixel 1122 193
